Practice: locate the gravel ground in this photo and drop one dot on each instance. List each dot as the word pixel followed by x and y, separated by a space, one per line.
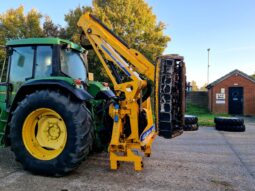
pixel 203 160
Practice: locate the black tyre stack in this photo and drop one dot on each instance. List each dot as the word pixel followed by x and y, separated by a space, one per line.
pixel 191 123
pixel 229 124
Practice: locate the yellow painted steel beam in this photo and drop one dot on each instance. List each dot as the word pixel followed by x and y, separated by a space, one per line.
pixel 135 58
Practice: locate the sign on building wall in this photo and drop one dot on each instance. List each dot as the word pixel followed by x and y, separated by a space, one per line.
pixel 220 98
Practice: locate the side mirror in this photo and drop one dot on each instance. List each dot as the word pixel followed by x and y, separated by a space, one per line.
pixel 21 61
pixel 66 46
pixel 9 51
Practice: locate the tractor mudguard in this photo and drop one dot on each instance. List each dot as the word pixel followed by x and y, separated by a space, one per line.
pixel 99 91
pixel 105 94
pixel 54 84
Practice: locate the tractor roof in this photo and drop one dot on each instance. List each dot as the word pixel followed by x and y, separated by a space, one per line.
pixel 39 41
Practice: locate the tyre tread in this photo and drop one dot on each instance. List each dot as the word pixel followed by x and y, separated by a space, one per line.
pixel 82 139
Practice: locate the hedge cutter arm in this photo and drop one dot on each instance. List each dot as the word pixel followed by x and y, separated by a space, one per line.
pixel 124 66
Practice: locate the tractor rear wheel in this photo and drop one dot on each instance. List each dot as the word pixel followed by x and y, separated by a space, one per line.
pixel 51 134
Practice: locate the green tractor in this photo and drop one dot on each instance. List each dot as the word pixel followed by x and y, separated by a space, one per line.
pixel 48 104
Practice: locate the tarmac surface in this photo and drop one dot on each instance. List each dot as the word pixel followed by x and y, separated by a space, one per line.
pixel 201 160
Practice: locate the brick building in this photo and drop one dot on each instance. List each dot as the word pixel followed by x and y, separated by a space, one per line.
pixel 233 93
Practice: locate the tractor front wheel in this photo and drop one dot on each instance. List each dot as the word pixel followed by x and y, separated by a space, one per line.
pixel 51 133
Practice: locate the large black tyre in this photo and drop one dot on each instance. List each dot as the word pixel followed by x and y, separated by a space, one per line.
pixel 190 119
pixel 79 130
pixel 231 128
pixel 193 127
pixel 190 123
pixel 229 121
pixel 103 135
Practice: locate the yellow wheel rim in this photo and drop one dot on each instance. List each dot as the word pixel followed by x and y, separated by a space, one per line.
pixel 44 134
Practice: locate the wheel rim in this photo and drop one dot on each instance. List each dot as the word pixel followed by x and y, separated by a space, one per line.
pixel 44 134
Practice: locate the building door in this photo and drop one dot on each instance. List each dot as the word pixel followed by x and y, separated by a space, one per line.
pixel 235 100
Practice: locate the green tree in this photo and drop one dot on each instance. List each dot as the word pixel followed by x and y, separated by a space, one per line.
pixel 134 21
pixel 53 30
pixel 203 88
pixel 72 31
pixel 49 28
pixel 32 26
pixel 194 85
pixel 15 24
pixel 253 75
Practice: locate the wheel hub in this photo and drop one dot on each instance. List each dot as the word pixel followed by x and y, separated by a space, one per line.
pixel 44 134
pixel 53 131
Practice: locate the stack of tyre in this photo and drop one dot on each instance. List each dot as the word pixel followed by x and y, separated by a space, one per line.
pixel 229 124
pixel 191 123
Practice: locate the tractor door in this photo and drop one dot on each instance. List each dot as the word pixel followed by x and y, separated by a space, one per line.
pixel 20 69
pixel 17 68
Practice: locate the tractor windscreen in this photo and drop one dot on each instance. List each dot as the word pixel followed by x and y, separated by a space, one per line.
pixel 72 64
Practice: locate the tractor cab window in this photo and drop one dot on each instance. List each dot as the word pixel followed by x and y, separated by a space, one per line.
pixel 72 64
pixel 43 61
pixel 21 64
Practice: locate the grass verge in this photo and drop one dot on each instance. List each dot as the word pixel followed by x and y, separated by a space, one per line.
pixel 205 118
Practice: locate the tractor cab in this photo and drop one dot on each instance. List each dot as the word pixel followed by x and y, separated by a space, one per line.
pixel 41 58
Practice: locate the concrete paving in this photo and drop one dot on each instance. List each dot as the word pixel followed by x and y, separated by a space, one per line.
pixel 203 160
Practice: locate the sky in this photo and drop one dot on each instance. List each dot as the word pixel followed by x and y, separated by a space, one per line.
pixel 227 27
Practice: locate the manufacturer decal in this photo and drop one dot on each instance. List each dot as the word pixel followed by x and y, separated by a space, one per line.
pixel 146 133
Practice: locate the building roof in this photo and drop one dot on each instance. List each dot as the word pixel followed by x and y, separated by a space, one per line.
pixel 36 41
pixel 230 74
